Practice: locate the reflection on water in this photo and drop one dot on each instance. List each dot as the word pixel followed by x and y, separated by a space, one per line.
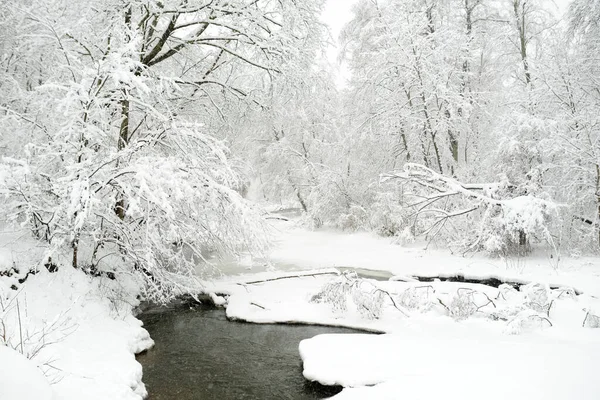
pixel 200 355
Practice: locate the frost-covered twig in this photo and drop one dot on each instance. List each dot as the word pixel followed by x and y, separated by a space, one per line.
pixel 541 318
pixel 393 301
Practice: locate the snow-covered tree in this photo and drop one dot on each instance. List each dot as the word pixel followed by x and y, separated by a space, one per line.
pixel 115 118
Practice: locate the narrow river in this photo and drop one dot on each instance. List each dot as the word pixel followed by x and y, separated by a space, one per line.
pixel 200 355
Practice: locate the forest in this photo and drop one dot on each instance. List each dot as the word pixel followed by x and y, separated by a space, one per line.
pixel 141 141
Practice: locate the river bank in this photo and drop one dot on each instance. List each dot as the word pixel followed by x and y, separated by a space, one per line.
pixel 94 336
pixel 200 354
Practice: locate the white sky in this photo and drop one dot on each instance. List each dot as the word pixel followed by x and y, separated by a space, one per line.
pixel 336 14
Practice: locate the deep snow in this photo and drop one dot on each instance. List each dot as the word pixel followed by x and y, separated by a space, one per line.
pixel 443 339
pixel 20 378
pixel 454 365
pixel 78 331
pixel 297 248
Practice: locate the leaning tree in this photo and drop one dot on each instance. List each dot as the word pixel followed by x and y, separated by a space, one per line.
pixel 114 125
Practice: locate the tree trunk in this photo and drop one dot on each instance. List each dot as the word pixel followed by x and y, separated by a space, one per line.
pixel 522 238
pixel 75 245
pixel 521 28
pixel 519 10
pixel 120 205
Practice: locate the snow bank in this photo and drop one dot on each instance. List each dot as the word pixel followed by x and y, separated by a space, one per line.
pixel 436 365
pixel 389 306
pixel 80 332
pixel 20 378
pixel 299 248
pixel 287 301
pixel 445 339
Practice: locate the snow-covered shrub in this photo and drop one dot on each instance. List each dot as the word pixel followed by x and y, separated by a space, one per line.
pixel 348 292
pixel 537 297
pixel 419 298
pixel 591 320
pixel 507 292
pixel 527 320
pixel 368 301
pixel 335 294
pixel 462 305
pixel 335 202
pixel 351 220
pixel 519 154
pixel 524 215
pixel 388 217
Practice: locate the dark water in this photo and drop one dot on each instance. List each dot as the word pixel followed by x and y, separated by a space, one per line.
pixel 200 355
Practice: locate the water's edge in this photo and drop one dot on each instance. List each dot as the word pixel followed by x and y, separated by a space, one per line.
pixel 200 354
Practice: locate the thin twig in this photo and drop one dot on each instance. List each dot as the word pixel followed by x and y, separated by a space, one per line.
pixel 585 319
pixel 393 301
pixel 257 305
pixel 20 327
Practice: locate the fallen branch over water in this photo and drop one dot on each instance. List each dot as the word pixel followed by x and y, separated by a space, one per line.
pixel 289 277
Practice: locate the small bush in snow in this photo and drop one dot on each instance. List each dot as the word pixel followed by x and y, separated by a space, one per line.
pixel 507 292
pixel 526 321
pixel 334 293
pixel 591 320
pixel 537 297
pixel 387 216
pixel 526 215
pixel 368 302
pixel 349 291
pixel 462 305
pixel 417 298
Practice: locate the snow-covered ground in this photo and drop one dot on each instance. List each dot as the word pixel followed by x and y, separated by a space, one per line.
pixel 296 248
pixel 449 365
pixel 20 378
pixel 77 332
pixel 443 339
